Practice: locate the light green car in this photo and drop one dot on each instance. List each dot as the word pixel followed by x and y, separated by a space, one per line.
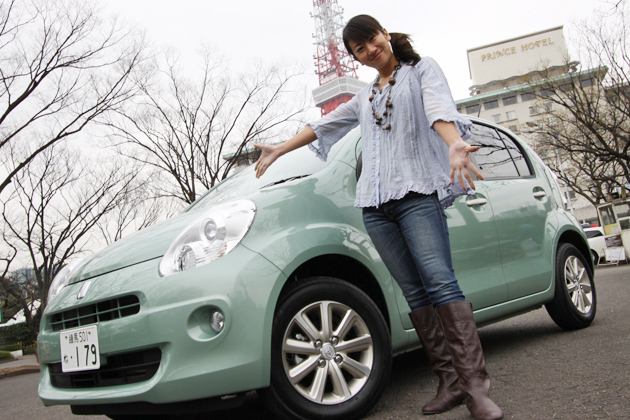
pixel 273 285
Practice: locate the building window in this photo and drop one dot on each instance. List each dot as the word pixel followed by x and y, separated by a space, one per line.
pixel 528 96
pixel 459 110
pixel 545 93
pixel 587 82
pixel 612 98
pixel 533 110
pixel 496 118
pixel 510 100
pixel 473 109
pixel 567 87
pixel 510 115
pixel 491 105
pixel 548 106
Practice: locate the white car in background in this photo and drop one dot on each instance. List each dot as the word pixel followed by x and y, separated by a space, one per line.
pixel 595 236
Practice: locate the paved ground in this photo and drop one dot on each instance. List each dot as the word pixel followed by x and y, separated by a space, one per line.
pixel 22 361
pixel 538 371
pixel 21 365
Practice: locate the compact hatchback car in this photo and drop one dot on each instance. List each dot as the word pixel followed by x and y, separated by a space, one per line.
pixel 273 285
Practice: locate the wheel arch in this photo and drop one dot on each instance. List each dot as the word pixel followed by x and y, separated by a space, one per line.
pixel 345 268
pixel 576 239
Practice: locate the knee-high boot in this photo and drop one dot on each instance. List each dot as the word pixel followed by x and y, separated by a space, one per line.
pixel 432 338
pixel 460 331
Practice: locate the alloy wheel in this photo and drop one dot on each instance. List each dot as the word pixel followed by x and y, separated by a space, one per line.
pixel 327 352
pixel 578 284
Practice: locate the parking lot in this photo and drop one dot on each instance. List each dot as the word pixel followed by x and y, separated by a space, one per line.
pixel 538 370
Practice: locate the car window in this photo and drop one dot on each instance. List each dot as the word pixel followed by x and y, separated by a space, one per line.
pixel 492 159
pixel 517 155
pixel 593 233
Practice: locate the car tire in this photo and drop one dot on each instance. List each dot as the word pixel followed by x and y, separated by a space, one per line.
pixel 335 369
pixel 595 258
pixel 575 301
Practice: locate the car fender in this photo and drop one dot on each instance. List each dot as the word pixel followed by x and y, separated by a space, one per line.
pixel 299 247
pixel 570 231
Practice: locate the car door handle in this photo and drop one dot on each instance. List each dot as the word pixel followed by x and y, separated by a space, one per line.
pixel 539 194
pixel 476 202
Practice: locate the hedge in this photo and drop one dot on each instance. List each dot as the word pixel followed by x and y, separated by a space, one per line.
pixel 11 347
pixel 30 350
pixel 5 355
pixel 19 333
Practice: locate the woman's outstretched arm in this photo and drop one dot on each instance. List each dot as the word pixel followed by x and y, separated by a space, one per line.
pixel 270 152
pixel 458 153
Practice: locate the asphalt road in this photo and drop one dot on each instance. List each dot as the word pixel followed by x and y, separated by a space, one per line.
pixel 538 370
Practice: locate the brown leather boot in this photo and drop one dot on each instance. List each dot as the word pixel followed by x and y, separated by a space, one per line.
pixel 460 331
pixel 432 338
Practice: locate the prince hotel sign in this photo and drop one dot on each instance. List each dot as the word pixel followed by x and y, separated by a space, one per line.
pixel 517 56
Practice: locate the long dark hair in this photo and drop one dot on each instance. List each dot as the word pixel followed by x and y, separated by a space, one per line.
pixel 362 27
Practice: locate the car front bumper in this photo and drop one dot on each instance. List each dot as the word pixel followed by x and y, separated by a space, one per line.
pixel 195 362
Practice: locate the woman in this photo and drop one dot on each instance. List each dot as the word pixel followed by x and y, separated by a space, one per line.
pixel 413 148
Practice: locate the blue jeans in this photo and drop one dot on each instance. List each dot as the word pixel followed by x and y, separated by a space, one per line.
pixel 411 236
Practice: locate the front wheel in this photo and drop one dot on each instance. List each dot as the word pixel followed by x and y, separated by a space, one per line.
pixel 331 352
pixel 595 258
pixel 575 302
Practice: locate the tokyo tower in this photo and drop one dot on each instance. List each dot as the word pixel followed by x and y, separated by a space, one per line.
pixel 338 81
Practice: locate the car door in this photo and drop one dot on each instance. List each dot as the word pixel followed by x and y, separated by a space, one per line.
pixel 519 197
pixel 475 249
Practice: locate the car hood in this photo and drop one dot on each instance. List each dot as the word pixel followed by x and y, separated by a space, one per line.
pixel 144 245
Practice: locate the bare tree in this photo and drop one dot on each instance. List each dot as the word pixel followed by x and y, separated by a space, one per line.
pixel 584 129
pixel 136 210
pixel 184 126
pixel 61 67
pixel 53 212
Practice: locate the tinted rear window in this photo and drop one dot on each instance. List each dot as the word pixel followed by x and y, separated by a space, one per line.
pixel 593 233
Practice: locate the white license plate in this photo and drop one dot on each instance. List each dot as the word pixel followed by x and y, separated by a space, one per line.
pixel 79 349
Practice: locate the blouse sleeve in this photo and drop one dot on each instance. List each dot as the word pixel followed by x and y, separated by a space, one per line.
pixel 437 98
pixel 331 128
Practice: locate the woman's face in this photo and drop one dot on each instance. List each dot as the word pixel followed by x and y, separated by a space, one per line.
pixel 374 52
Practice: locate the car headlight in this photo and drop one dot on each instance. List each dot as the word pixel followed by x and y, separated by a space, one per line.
pixel 62 278
pixel 211 236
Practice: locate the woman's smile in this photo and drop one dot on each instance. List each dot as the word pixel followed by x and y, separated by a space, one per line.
pixel 376 56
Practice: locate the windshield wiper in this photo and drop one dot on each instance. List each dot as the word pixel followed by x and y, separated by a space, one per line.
pixel 286 180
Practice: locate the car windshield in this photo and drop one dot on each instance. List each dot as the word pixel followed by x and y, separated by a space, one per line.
pixel 297 164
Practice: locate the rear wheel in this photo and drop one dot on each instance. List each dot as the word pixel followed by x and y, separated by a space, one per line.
pixel 331 352
pixel 575 302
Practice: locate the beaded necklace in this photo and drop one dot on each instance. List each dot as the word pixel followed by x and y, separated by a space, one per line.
pixel 388 103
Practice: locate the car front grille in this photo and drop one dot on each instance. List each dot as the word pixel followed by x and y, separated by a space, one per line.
pixel 120 369
pixel 97 312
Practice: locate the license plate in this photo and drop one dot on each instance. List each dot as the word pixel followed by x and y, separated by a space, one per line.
pixel 79 349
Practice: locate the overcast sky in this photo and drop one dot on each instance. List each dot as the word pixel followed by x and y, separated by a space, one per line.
pixel 273 30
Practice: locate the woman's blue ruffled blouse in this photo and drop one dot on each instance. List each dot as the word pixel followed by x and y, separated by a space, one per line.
pixel 411 156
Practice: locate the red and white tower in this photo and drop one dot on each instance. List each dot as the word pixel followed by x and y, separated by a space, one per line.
pixel 338 81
